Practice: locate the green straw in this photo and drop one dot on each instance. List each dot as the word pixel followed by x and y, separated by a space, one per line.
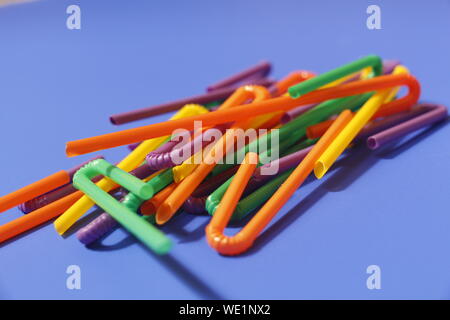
pixel 141 228
pixel 316 82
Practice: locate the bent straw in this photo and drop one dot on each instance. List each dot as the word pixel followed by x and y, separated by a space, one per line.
pixel 142 229
pixel 351 130
pixel 104 223
pixel 244 239
pixel 221 147
pixel 435 114
pixel 205 98
pixel 33 190
pixel 257 71
pixel 220 220
pixel 283 103
pixel 131 161
pixel 323 79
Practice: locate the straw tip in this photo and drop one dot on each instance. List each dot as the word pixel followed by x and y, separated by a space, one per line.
pixel 164 213
pixel 320 169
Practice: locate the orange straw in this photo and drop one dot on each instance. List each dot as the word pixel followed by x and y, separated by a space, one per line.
pixel 243 112
pixel 38 217
pixel 185 188
pixel 149 207
pixel 292 79
pixel 244 239
pixel 33 190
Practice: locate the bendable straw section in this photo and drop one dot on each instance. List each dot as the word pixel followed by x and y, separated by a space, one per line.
pixel 260 70
pixel 73 170
pixel 163 160
pixel 435 114
pixel 160 158
pixel 33 190
pixel 142 229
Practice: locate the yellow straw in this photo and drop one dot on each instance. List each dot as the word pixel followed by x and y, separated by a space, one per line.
pixel 131 161
pixel 350 131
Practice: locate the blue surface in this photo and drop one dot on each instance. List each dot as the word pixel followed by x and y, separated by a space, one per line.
pixel 388 208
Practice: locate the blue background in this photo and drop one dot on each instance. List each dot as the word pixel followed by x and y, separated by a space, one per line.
pixel 388 208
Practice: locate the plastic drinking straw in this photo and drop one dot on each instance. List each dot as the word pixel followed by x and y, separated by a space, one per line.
pixel 150 206
pixel 435 114
pixel 33 190
pixel 244 239
pixel 314 83
pixel 131 161
pixel 143 230
pixel 215 95
pixel 280 87
pixel 363 115
pixel 259 70
pixel 282 103
pixel 104 223
pixel 185 188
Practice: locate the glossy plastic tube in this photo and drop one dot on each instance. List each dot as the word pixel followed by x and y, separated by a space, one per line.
pixel 33 190
pixel 435 114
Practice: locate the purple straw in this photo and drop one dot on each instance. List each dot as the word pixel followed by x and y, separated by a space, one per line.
pixel 68 189
pixel 163 160
pixel 56 194
pixel 219 94
pixel 435 114
pixel 260 70
pixel 133 146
